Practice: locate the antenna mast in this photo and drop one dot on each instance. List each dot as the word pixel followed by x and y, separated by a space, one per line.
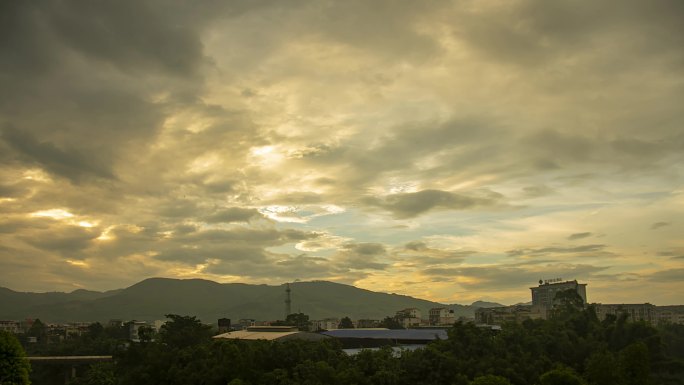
pixel 288 301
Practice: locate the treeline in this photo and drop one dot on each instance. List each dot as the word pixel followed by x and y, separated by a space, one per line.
pixel 573 347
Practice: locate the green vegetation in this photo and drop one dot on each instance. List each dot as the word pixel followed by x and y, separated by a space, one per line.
pixel 152 298
pixel 573 348
pixel 300 320
pixel 346 323
pixel 14 368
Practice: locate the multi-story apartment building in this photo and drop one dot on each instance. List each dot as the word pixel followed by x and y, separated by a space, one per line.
pixel 409 317
pixel 635 312
pixel 11 326
pixel 367 323
pixel 544 295
pixel 501 315
pixel 441 316
pixel 325 324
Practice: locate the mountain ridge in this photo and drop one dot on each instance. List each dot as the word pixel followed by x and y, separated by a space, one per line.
pixel 152 298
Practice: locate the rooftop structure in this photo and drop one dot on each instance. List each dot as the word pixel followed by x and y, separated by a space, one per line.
pixel 634 312
pixel 543 296
pixel 373 338
pixel 271 333
pixel 442 316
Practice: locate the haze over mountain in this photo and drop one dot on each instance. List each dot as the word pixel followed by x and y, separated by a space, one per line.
pixel 152 298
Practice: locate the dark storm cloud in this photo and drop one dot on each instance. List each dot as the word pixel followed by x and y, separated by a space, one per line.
pixel 132 35
pixel 12 190
pixel 537 191
pixel 408 205
pixel 558 250
pixel 302 197
pixel 416 246
pixel 234 214
pixel 509 277
pixel 419 255
pixel 68 241
pixel 360 256
pixel 546 31
pixel 576 236
pixel 671 275
pixel 142 118
pixel 384 25
pixel 90 70
pixel 658 225
pixel 368 249
pixel 68 162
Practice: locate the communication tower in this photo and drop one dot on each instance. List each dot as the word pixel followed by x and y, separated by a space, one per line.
pixel 288 301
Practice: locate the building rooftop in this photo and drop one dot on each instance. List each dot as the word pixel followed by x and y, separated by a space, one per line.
pixel 271 333
pixel 390 334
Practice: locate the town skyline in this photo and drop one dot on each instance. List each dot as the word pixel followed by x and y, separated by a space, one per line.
pixel 523 301
pixel 451 151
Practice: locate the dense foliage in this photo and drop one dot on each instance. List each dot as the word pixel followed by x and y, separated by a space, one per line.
pixel 572 348
pixel 14 368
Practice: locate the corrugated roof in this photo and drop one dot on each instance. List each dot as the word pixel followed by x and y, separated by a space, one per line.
pixel 390 334
pixel 270 335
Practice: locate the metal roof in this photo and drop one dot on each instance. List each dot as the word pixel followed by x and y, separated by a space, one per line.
pixel 270 335
pixel 390 334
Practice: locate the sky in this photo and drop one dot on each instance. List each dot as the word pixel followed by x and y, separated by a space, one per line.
pixel 448 150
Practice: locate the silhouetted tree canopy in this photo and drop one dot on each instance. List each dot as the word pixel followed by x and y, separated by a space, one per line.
pixel 346 323
pixel 574 348
pixel 14 368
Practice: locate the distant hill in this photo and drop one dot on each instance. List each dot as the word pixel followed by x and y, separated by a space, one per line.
pixel 486 304
pixel 152 298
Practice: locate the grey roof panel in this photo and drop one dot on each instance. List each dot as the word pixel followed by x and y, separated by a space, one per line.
pixel 392 334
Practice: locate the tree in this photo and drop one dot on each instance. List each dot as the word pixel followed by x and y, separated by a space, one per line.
pixel 98 374
pixel 184 331
pixel 561 376
pixel 490 380
pixel 636 364
pixel 300 320
pixel 566 303
pixel 600 368
pixel 145 334
pixel 390 323
pixel 346 323
pixel 38 330
pixel 14 367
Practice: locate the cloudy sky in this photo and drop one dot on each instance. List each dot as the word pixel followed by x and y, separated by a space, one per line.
pixel 448 150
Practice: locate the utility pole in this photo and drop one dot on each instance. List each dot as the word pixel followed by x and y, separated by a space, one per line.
pixel 288 301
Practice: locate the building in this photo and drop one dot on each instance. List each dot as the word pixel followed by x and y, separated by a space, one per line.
pixel 409 317
pixel 501 315
pixel 670 314
pixel 367 323
pixel 224 325
pixel 635 312
pixel 369 338
pixel 134 328
pixel 244 323
pixel 544 295
pixel 441 316
pixel 271 333
pixel 325 324
pixel 13 327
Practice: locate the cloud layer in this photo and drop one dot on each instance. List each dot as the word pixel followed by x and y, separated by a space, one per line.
pixel 452 151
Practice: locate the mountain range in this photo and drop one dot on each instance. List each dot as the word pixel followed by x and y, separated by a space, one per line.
pixel 152 298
